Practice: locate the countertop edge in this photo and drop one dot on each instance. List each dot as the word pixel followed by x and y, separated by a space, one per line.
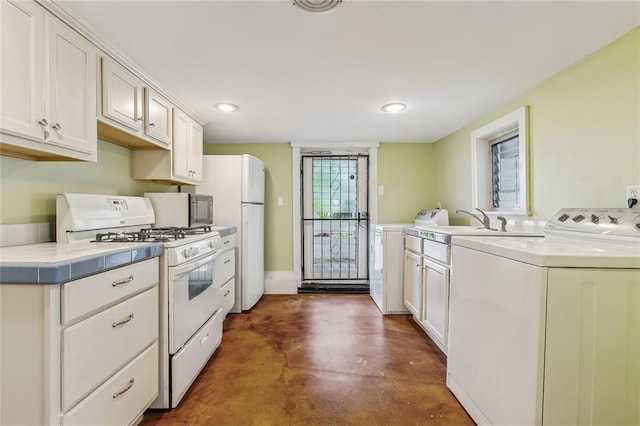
pixel 54 273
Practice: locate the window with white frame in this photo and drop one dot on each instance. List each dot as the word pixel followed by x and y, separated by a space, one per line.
pixel 499 165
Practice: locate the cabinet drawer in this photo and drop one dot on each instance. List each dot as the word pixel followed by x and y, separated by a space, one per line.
pixel 96 347
pixel 228 296
pixel 189 360
pixel 228 242
pixel 122 398
pixel 438 251
pixel 88 294
pixel 225 266
pixel 413 244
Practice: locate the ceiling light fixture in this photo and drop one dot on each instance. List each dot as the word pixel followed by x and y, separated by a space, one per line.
pixel 394 107
pixel 227 107
pixel 317 5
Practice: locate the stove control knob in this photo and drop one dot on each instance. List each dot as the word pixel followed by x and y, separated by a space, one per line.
pixel 613 220
pixel 578 218
pixel 186 253
pixel 563 217
pixel 595 219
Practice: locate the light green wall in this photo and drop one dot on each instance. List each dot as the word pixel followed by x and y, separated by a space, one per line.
pixel 278 235
pixel 584 136
pixel 29 188
pixel 406 171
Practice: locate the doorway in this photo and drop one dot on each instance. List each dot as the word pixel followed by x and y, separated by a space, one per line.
pixel 335 223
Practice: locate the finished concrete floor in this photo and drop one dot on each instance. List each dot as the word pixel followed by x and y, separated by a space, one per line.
pixel 319 360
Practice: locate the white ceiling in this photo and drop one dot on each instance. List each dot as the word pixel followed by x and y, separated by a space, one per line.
pixel 302 76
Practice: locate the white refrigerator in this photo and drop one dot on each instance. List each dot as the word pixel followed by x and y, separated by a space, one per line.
pixel 236 183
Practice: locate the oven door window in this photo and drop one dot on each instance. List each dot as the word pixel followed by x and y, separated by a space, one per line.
pixel 200 280
pixel 193 298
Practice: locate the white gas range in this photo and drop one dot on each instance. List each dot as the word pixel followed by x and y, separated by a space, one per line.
pixel 189 295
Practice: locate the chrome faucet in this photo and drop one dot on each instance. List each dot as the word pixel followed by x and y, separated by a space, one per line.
pixel 486 222
pixel 503 223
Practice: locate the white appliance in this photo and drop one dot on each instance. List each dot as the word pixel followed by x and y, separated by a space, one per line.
pixel 547 330
pixel 386 269
pixel 181 209
pixel 385 275
pixel 427 266
pixel 236 183
pixel 190 301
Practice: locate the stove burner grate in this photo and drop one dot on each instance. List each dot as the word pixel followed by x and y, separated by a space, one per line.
pixel 151 235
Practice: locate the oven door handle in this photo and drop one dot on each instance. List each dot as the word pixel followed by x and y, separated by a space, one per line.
pixel 189 266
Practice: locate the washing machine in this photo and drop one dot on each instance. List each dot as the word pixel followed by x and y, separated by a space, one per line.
pixel 547 330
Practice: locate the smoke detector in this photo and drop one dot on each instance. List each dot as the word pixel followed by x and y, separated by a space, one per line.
pixel 317 5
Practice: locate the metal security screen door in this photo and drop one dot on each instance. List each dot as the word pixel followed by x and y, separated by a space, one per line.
pixel 335 219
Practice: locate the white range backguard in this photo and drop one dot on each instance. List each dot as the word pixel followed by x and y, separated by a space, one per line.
pixel 236 183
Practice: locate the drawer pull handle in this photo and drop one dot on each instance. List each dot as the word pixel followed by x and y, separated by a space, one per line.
pixel 227 293
pixel 123 322
pixel 227 261
pixel 129 386
pixel 227 242
pixel 124 281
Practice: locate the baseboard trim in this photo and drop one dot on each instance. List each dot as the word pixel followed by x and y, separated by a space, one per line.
pixel 281 282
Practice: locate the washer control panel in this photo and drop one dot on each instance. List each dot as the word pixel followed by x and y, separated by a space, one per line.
pixel 614 221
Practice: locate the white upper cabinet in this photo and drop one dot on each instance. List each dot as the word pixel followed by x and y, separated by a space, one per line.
pixel 122 95
pixel 48 109
pixel 195 149
pixel 158 117
pixel 181 129
pixel 132 114
pixel 71 103
pixel 22 76
pixel 182 165
pixel 187 147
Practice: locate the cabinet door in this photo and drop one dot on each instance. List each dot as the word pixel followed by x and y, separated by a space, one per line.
pixel 435 279
pixel 158 117
pixel 122 95
pixel 195 154
pixel 413 284
pixel 181 141
pixel 71 100
pixel 22 75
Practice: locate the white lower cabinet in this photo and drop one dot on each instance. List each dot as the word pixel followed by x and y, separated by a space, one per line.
pixel 88 347
pixel 225 273
pixel 426 287
pixel 119 400
pixel 413 283
pixel 96 364
pixel 435 315
pixel 228 296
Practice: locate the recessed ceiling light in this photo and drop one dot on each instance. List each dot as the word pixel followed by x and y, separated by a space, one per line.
pixel 394 107
pixel 227 107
